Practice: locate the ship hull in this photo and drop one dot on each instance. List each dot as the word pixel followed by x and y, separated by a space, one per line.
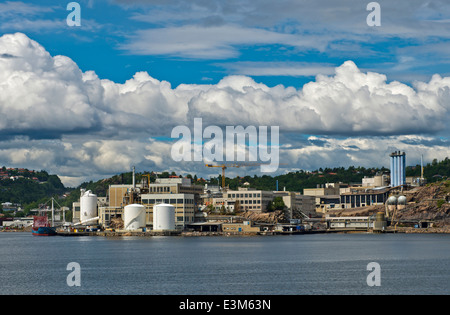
pixel 43 231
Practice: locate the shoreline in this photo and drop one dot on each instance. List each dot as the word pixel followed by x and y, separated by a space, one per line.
pixel 401 230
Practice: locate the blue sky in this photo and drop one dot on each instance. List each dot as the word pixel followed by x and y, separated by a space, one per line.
pixel 315 68
pixel 119 38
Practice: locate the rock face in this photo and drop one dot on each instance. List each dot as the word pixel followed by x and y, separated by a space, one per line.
pixel 428 203
pixel 116 223
pixel 268 217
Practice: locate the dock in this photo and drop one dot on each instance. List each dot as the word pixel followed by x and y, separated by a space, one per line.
pixel 120 233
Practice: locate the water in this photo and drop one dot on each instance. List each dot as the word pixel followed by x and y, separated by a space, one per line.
pixel 281 265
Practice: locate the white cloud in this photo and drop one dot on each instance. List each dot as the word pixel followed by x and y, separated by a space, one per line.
pixel 213 42
pixel 97 127
pixel 291 69
pixel 14 8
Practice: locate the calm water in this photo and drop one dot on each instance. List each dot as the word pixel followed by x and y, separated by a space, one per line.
pixel 283 265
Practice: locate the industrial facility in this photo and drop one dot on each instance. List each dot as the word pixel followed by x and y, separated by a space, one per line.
pixel 178 204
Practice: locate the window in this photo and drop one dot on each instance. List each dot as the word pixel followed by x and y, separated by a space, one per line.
pixel 180 201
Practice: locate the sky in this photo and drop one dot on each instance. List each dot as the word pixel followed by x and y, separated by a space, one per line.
pixel 90 101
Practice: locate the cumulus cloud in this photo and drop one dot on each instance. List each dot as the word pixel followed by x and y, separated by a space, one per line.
pixel 57 117
pixel 349 103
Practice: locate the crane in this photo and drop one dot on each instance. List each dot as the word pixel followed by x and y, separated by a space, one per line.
pixel 224 166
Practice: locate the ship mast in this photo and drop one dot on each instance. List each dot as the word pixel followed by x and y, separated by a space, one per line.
pixel 53 214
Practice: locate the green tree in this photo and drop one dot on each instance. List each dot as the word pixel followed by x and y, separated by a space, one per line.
pixel 278 203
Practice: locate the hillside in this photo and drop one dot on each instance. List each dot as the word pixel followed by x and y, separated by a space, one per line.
pixel 23 186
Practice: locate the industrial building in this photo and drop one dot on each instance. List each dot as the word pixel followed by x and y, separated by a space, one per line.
pixel 326 195
pixel 364 197
pixel 249 199
pixel 379 180
pixel 178 192
pixel 295 201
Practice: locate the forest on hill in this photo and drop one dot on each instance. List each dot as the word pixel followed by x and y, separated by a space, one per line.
pixel 31 188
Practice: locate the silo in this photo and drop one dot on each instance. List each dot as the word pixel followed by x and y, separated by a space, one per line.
pixel 392 171
pixel 398 168
pixel 88 206
pixel 134 217
pixel 163 217
pixel 403 179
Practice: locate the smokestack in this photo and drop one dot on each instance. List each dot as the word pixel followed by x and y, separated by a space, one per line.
pixel 421 167
pixel 134 178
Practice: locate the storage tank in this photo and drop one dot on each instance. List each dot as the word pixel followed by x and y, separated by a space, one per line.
pixel 401 202
pixel 88 205
pixel 391 203
pixel 163 217
pixel 380 223
pixel 134 217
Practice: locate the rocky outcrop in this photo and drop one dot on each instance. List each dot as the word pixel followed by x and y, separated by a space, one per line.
pixel 116 223
pixel 268 217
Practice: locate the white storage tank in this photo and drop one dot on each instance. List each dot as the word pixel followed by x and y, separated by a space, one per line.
pixel 88 205
pixel 134 217
pixel 163 217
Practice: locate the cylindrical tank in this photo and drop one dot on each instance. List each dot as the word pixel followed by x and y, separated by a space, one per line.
pixel 380 223
pixel 379 216
pixel 163 217
pixel 134 217
pixel 392 171
pixel 88 205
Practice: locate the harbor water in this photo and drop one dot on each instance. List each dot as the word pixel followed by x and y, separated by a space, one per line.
pixel 271 265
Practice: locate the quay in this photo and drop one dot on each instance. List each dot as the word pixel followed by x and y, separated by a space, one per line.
pixel 121 233
pixel 215 233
